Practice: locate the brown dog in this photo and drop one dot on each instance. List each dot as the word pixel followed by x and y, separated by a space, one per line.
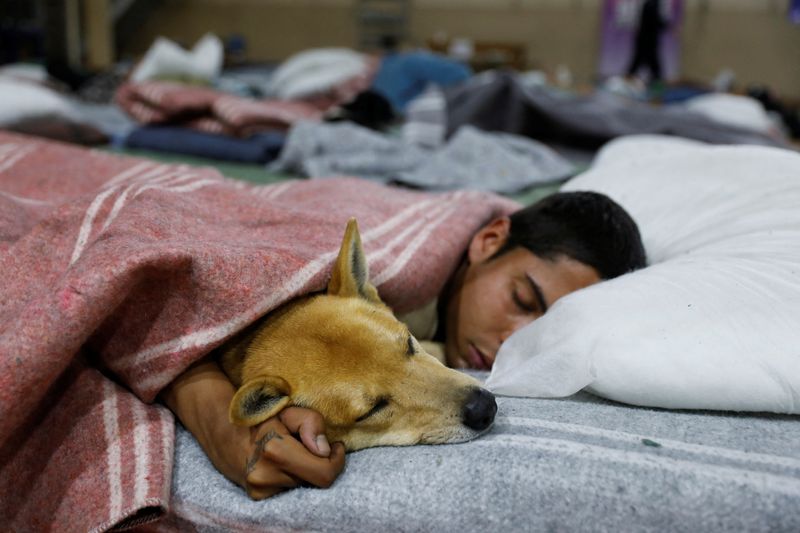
pixel 345 355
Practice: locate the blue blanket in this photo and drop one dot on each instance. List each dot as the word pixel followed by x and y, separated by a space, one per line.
pixel 260 148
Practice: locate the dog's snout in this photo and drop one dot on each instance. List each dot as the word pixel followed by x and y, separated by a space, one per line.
pixel 479 409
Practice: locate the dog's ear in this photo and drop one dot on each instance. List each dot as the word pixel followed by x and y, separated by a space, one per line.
pixel 258 399
pixel 350 275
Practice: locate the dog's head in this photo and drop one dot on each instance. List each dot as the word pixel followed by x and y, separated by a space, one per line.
pixel 345 355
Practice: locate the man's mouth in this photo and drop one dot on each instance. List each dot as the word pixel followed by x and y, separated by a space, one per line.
pixel 477 359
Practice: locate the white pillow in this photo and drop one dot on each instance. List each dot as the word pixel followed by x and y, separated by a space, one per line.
pixel 714 321
pixel 166 58
pixel 31 72
pixel 22 100
pixel 316 71
pixel 733 110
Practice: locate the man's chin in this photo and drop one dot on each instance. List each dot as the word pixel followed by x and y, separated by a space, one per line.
pixel 476 359
pixel 457 362
pixel 454 359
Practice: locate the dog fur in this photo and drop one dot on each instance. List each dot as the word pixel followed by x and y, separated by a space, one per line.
pixel 344 354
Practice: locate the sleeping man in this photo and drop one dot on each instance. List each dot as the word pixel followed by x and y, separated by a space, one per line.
pixel 513 270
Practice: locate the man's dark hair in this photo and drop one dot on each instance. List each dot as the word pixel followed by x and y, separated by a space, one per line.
pixel 586 226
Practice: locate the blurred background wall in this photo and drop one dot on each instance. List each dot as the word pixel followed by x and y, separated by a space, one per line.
pixel 753 38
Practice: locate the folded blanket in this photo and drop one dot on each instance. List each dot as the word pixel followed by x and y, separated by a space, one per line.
pixel 203 108
pixel 162 101
pixel 119 273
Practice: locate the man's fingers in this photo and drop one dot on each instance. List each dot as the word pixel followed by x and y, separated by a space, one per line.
pixel 260 493
pixel 324 472
pixel 310 426
pixel 273 444
pixel 279 461
pixel 263 477
pixel 318 471
pixel 266 476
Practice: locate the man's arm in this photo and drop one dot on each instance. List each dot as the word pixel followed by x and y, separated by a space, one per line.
pixel 264 459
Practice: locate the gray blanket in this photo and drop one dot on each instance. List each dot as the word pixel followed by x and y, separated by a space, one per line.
pixel 471 159
pixel 501 101
pixel 574 464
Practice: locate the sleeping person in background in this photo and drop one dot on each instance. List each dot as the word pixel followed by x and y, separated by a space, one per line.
pixel 514 269
pixel 402 76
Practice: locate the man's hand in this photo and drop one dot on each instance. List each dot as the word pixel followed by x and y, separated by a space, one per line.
pixel 264 459
pixel 278 461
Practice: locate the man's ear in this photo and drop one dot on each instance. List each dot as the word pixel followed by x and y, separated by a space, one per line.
pixel 350 275
pixel 488 240
pixel 258 399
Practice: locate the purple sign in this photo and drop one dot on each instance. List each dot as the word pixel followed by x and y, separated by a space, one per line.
pixel 620 22
pixel 794 11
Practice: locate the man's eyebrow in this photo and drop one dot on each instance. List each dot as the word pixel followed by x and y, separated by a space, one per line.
pixel 537 291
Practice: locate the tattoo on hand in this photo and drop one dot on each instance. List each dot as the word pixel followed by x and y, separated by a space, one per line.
pixel 260 444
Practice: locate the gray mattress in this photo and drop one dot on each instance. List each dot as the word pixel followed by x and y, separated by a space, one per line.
pixel 578 463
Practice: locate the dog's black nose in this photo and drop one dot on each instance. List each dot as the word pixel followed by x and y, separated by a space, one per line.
pixel 479 410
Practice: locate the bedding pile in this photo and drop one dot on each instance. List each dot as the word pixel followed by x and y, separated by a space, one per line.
pixel 209 110
pixel 502 101
pixel 118 273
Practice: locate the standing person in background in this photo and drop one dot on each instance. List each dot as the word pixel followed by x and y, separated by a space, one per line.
pixel 647 49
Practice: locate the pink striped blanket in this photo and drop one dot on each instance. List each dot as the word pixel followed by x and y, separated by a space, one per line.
pixel 205 109
pixel 118 273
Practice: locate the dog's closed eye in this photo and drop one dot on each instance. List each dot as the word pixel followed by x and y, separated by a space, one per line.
pixel 381 404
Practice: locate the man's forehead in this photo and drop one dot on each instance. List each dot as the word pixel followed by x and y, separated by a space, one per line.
pixel 551 277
